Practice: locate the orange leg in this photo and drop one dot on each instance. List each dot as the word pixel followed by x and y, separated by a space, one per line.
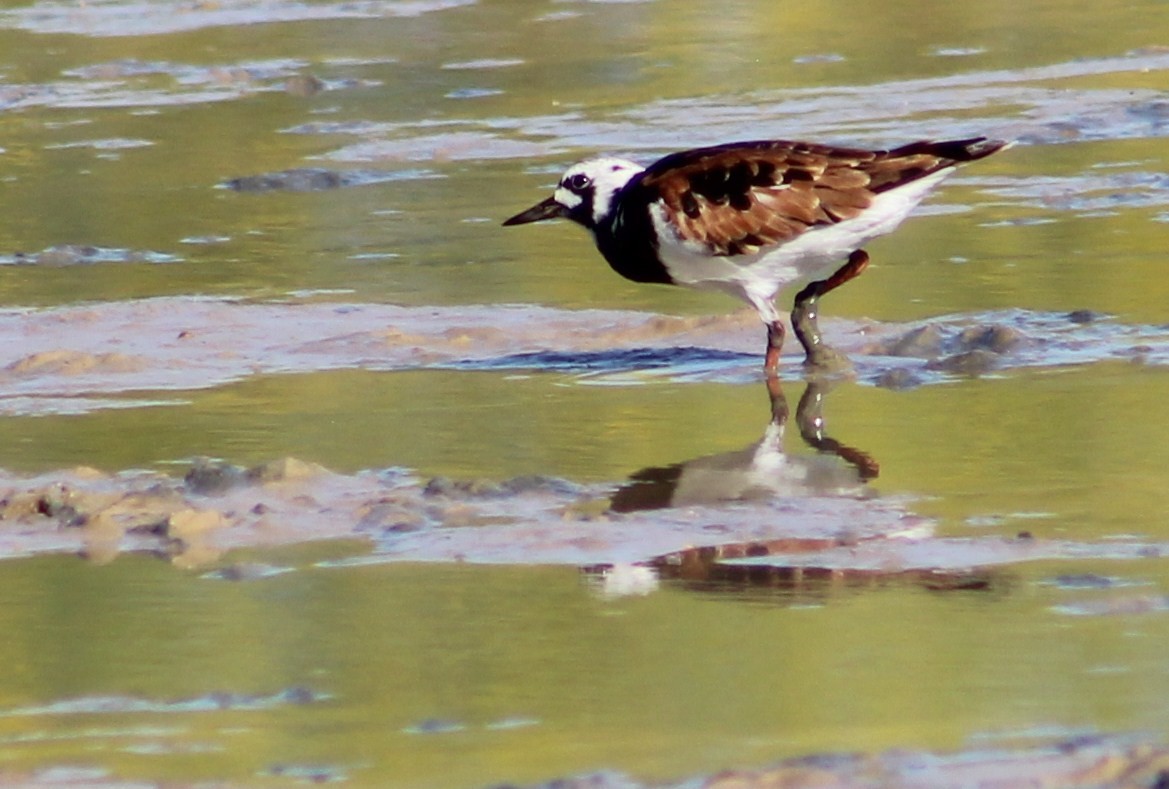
pixel 775 333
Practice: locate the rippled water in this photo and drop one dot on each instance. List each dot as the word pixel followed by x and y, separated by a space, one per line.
pixel 252 231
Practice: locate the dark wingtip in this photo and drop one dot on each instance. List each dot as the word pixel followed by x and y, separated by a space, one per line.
pixel 967 150
pixel 982 146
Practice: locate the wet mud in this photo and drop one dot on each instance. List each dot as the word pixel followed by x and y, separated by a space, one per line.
pixel 816 530
pixel 529 520
pixel 755 513
pixel 317 179
pixel 931 107
pixel 92 705
pixel 136 83
pixel 61 255
pixel 1081 763
pixel 85 356
pixel 1033 112
pixel 127 19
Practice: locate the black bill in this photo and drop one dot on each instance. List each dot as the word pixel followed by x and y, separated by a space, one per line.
pixel 548 209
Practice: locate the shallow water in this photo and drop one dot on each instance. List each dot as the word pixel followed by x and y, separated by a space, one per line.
pixel 255 231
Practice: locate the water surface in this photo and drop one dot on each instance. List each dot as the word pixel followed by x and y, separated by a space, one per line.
pixel 251 231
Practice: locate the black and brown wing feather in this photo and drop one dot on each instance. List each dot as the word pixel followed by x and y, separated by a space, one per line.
pixel 738 198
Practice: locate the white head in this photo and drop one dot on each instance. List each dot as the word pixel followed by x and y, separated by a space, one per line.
pixel 585 193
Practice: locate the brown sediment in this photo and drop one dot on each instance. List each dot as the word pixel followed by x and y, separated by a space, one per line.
pixel 176 343
pixel 181 343
pixel 124 19
pixel 1079 763
pixel 78 355
pixel 526 520
pixel 66 362
pixel 789 541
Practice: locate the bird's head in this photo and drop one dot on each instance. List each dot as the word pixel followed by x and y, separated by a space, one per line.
pixel 585 194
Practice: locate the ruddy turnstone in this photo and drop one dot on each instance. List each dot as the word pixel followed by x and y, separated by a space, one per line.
pixel 751 218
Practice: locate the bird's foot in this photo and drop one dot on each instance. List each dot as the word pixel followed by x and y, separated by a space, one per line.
pixel 819 358
pixel 823 359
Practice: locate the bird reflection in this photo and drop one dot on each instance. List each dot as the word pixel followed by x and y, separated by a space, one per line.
pixel 760 470
pixel 765 471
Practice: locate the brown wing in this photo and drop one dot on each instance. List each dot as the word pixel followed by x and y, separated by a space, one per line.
pixel 735 199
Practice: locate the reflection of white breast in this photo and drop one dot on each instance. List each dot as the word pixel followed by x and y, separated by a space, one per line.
pixel 763 470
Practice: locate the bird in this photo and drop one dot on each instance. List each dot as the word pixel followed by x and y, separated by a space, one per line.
pixel 752 218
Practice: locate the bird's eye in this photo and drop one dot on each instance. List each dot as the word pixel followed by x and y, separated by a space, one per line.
pixel 578 182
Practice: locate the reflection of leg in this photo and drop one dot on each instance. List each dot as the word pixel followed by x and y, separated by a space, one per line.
pixel 774 345
pixel 816 353
pixel 810 418
pixel 778 401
